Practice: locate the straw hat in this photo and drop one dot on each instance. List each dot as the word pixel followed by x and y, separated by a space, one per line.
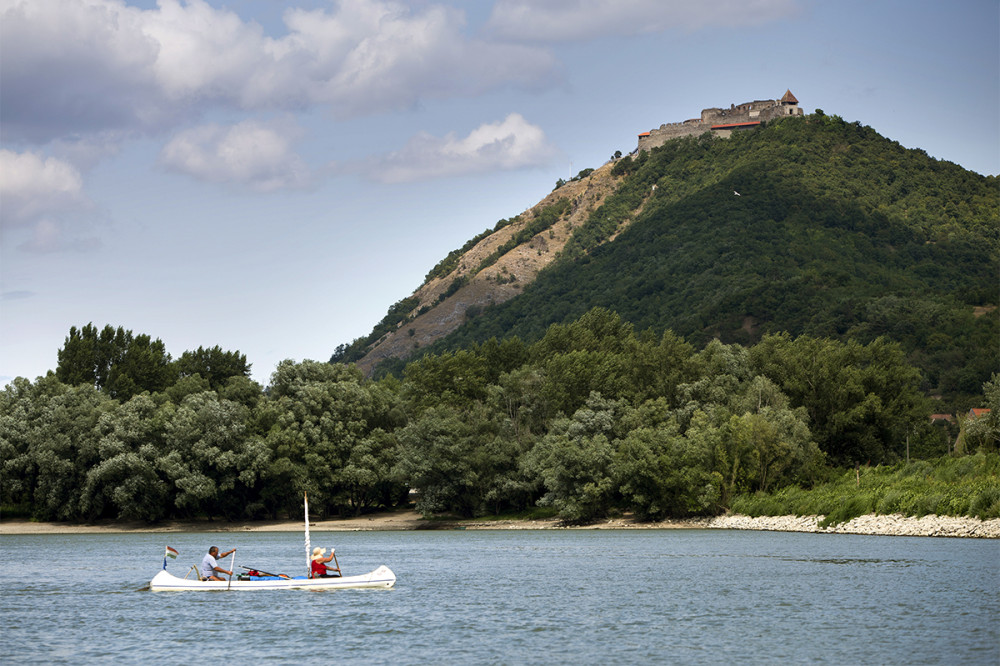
pixel 318 552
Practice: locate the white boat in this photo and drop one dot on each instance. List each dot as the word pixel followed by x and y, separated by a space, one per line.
pixel 164 581
pixel 380 578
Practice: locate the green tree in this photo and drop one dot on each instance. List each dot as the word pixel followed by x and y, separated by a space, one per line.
pixel 440 458
pixel 369 476
pixel 862 400
pixel 574 462
pixel 127 483
pixel 210 459
pixel 214 365
pixel 49 439
pixel 317 414
pixel 709 434
pixel 517 399
pixel 452 378
pixel 115 361
pixel 780 445
pixel 660 473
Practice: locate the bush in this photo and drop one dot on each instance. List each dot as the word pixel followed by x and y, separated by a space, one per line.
pixel 846 509
pixel 985 503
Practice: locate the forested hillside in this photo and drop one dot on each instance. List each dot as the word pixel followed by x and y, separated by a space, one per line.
pixel 808 226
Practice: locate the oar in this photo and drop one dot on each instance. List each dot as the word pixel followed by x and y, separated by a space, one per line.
pixel 264 572
pixel 334 553
pixel 232 567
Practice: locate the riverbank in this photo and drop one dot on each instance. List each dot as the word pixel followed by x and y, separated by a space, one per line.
pixel 891 525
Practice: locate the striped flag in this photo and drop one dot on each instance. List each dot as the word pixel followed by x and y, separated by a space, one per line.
pixel 171 553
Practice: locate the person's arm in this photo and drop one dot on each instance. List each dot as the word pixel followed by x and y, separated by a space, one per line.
pixel 225 554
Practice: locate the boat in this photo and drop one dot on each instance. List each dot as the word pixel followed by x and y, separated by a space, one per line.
pixel 380 578
pixel 163 581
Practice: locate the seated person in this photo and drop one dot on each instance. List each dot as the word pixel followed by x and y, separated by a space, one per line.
pixel 319 568
pixel 210 567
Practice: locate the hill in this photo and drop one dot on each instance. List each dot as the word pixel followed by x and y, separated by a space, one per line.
pixel 810 225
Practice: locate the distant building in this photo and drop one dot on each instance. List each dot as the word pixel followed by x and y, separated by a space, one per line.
pixel 723 122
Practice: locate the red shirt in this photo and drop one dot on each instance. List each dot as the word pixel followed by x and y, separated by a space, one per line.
pixel 318 568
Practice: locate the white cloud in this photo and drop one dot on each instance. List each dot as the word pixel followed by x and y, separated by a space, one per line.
pixel 33 187
pixel 90 66
pixel 250 154
pixel 43 199
pixel 568 20
pixel 513 143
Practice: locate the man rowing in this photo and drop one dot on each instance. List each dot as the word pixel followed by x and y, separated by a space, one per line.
pixel 210 565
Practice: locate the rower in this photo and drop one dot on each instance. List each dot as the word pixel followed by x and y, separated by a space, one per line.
pixel 319 567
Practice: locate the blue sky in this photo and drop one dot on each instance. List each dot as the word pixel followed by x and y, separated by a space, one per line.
pixel 271 176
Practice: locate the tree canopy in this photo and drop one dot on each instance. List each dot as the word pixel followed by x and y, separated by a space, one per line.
pixel 592 419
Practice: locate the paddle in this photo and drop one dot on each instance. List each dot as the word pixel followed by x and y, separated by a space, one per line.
pixel 264 573
pixel 334 553
pixel 232 567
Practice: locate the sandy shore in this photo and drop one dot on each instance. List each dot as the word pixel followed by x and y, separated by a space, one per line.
pixel 892 525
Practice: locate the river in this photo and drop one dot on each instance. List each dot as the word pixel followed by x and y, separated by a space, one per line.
pixel 513 597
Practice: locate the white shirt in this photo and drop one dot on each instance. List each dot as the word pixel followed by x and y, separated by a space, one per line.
pixel 208 565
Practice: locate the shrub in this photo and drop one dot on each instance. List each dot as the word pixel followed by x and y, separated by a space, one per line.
pixel 986 503
pixel 846 509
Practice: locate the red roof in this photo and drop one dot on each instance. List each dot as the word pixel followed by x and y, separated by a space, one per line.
pixel 731 125
pixel 976 412
pixel 789 98
pixel 644 134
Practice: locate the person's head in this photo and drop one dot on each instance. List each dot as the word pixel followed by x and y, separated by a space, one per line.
pixel 318 552
pixel 213 551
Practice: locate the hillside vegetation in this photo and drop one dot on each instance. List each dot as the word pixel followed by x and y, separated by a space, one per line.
pixel 836 232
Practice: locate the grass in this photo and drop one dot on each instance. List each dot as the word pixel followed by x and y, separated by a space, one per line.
pixel 966 486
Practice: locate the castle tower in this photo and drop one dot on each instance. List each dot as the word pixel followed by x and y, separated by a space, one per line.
pixel 790 105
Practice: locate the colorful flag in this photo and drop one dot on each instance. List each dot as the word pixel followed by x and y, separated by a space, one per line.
pixel 171 553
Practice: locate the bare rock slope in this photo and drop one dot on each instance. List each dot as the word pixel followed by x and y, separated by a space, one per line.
pixel 435 316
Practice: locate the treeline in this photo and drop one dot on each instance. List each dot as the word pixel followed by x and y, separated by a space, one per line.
pixel 591 419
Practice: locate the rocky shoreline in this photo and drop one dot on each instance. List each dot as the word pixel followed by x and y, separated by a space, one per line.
pixel 890 525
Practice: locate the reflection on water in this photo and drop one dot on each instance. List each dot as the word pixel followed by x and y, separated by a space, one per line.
pixel 689 596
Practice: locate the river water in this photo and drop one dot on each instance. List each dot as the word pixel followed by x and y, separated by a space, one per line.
pixel 513 597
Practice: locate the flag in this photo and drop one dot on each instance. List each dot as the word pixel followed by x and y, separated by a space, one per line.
pixel 171 553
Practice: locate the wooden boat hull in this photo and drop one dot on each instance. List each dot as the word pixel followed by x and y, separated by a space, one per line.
pixel 380 578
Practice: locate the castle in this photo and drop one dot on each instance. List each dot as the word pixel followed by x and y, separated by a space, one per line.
pixel 723 122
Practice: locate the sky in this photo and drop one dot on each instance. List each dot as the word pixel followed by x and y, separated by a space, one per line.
pixel 270 176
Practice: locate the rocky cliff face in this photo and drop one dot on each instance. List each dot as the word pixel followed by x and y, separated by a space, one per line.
pixel 434 317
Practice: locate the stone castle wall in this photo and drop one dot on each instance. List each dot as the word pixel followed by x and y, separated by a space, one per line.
pixel 747 112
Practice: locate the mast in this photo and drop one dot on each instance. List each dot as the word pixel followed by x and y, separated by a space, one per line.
pixel 305 495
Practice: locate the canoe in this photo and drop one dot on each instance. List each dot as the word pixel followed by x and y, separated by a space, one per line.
pixel 380 578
